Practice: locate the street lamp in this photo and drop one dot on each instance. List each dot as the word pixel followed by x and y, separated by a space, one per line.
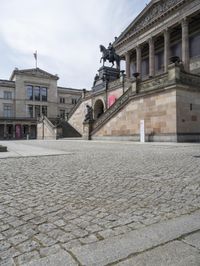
pixel 122 78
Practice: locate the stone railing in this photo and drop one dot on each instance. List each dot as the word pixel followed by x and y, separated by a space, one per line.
pixel 153 84
pixel 190 79
pixel 112 110
pixel 75 108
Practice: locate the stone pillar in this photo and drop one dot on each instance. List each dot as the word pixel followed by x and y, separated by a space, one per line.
pixel 5 130
pixel 87 129
pixel 185 44
pixel 151 58
pixel 139 59
pixel 128 67
pixel 13 130
pixel 166 49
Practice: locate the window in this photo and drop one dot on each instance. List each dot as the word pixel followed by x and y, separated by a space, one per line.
pixel 194 46
pixel 37 111
pixel 145 67
pixel 43 92
pixel 7 110
pixel 7 95
pixel 29 93
pixel 159 61
pixel 74 100
pixel 62 113
pixel 36 93
pixel 44 110
pixel 30 111
pixel 176 50
pixel 62 100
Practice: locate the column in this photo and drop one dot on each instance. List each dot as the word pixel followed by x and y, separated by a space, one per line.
pixel 166 49
pixel 128 68
pixel 185 44
pixel 139 59
pixel 5 130
pixel 13 130
pixel 151 58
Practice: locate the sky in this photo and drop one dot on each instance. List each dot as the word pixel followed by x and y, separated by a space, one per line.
pixel 65 33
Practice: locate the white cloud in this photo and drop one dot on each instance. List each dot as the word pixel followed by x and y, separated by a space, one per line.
pixel 66 34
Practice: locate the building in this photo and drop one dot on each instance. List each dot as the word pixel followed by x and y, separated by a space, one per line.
pixel 26 96
pixel 158 98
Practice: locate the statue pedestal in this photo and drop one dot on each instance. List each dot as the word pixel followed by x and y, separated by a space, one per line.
pixel 87 129
pixel 111 73
pixel 106 74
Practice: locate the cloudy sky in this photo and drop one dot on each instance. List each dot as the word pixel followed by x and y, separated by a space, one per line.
pixel 66 34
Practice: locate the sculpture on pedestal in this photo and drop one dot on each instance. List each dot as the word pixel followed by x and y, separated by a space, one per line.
pixel 110 55
pixel 89 114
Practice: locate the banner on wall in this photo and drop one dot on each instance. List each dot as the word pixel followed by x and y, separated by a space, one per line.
pixel 18 131
pixel 111 100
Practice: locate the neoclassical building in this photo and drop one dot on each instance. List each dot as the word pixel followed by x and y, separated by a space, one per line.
pixel 158 96
pixel 28 95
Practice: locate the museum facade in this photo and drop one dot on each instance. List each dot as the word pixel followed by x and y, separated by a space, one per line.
pixel 158 96
pixel 28 95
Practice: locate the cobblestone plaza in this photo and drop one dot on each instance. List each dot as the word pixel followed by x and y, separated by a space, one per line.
pixel 80 192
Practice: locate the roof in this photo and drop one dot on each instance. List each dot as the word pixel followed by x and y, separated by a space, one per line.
pixel 37 72
pixel 70 89
pixel 152 12
pixel 7 83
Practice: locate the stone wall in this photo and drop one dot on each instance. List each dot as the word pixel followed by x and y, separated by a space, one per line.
pixel 188 115
pixel 76 120
pixel 158 110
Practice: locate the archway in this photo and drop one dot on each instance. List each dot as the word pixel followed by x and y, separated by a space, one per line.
pixel 98 109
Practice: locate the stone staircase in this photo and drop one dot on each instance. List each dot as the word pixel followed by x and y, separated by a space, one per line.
pixel 113 110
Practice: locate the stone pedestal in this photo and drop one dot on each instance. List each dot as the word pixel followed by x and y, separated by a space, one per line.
pixel 106 74
pixel 87 129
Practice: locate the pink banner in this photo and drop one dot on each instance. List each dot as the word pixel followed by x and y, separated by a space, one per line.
pixel 111 100
pixel 18 131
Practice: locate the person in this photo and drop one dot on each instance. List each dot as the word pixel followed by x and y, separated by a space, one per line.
pixel 111 50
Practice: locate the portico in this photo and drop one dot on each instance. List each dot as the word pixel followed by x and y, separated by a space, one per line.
pixel 147 50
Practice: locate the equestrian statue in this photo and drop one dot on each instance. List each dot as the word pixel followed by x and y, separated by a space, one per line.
pixel 110 55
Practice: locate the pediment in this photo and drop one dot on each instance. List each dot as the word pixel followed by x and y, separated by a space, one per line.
pixel 36 72
pixel 152 12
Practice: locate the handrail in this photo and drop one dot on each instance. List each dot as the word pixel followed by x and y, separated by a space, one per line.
pixel 75 108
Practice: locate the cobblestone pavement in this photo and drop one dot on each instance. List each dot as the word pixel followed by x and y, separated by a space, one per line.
pixel 97 190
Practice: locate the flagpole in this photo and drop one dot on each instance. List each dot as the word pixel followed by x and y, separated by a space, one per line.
pixel 35 56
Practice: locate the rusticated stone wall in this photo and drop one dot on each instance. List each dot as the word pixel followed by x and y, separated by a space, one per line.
pixel 188 112
pixel 158 110
pixel 76 120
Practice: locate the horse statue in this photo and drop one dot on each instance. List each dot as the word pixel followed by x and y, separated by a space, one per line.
pixel 110 55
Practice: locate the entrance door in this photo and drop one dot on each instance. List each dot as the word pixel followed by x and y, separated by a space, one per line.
pixel 18 131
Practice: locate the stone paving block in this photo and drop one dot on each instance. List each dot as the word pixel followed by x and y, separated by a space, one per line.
pixel 9 253
pixel 50 250
pixel 193 239
pixel 172 254
pixel 28 246
pixel 4 245
pixel 27 257
pixel 60 259
pixel 7 262
pixel 15 240
pixel 45 240
pixel 116 248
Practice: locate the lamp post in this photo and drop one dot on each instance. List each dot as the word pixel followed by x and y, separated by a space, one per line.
pixel 122 78
pixel 106 80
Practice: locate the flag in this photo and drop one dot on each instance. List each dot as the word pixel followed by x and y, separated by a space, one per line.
pixel 35 55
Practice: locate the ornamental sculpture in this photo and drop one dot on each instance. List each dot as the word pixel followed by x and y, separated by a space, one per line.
pixel 110 55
